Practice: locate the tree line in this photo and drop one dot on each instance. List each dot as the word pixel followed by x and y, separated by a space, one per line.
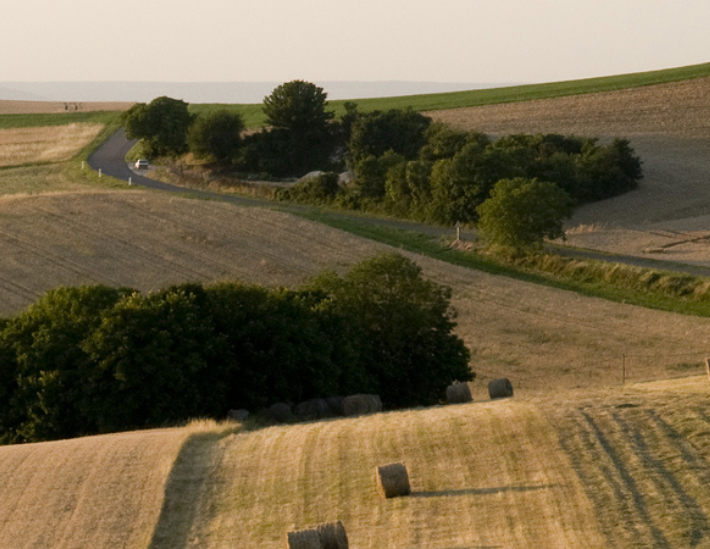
pixel 402 163
pixel 94 359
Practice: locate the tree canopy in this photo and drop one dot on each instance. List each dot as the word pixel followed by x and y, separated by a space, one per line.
pixel 298 107
pixel 161 125
pixel 521 212
pixel 216 136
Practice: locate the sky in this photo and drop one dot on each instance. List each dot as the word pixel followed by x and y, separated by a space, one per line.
pixel 486 41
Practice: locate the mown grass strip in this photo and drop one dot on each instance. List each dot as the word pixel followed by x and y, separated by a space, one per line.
pixel 254 116
pixel 8 121
pixel 584 283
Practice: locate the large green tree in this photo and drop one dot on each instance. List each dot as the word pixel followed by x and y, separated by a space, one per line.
pixel 521 213
pixel 298 107
pixel 403 326
pixel 161 125
pixel 300 137
pixel 216 136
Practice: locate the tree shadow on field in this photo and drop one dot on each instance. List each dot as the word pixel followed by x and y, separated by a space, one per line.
pixel 481 491
pixel 198 456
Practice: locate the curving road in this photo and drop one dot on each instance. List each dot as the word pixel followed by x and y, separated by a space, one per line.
pixel 111 158
pixel 111 155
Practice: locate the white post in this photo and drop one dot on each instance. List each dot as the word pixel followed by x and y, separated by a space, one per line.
pixel 129 182
pixel 99 172
pixel 82 164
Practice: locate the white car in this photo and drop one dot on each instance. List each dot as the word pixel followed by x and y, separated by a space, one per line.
pixel 141 164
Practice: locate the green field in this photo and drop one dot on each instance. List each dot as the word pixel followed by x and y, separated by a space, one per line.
pixel 254 117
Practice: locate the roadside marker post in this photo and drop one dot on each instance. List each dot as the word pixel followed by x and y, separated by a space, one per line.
pixel 129 182
pixel 99 172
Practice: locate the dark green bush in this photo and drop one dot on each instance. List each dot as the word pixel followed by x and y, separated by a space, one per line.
pixel 95 359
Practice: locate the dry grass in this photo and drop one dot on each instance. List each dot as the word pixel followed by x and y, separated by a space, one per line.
pixel 102 491
pixel 624 467
pixel 45 144
pixel 481 475
pixel 538 337
pixel 48 107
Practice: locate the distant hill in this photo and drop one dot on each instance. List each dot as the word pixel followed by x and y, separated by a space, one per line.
pixel 214 92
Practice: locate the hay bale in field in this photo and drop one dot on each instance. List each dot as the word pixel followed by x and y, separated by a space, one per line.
pixel 304 539
pixel 279 412
pixel 358 405
pixel 500 388
pixel 335 404
pixel 315 408
pixel 238 415
pixel 333 535
pixel 458 393
pixel 393 480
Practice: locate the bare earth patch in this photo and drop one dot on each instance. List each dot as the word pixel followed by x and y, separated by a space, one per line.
pixel 669 127
pixel 44 144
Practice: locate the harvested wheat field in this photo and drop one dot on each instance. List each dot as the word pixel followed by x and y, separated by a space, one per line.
pixel 8 106
pixel 541 338
pixel 668 127
pixel 622 468
pixel 102 491
pixel 44 144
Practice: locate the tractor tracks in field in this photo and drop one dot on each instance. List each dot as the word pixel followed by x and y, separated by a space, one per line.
pixel 648 483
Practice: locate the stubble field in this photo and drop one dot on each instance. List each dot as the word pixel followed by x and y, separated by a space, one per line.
pixel 47 107
pixel 539 337
pixel 44 144
pixel 602 466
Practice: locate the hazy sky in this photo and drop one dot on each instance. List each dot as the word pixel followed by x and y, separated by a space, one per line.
pixel 279 40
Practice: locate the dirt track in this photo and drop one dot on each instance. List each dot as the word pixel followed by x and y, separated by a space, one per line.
pixel 669 127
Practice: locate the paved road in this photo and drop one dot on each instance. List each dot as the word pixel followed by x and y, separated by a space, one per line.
pixel 110 157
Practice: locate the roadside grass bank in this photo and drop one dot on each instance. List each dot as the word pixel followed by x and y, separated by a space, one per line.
pixel 652 288
pixel 254 117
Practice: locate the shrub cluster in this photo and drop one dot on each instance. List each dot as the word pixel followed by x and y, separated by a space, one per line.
pixel 97 359
pixel 453 172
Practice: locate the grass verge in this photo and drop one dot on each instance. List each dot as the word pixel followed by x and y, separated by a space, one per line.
pixel 654 289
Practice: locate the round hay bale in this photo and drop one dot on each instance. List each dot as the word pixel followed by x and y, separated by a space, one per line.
pixel 238 415
pixel 335 404
pixel 279 412
pixel 358 405
pixel 333 535
pixel 304 539
pixel 500 388
pixel 314 408
pixel 393 480
pixel 458 393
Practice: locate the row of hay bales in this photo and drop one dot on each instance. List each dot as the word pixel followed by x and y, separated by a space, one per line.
pixel 331 535
pixel 321 408
pixel 460 393
pixel 362 404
